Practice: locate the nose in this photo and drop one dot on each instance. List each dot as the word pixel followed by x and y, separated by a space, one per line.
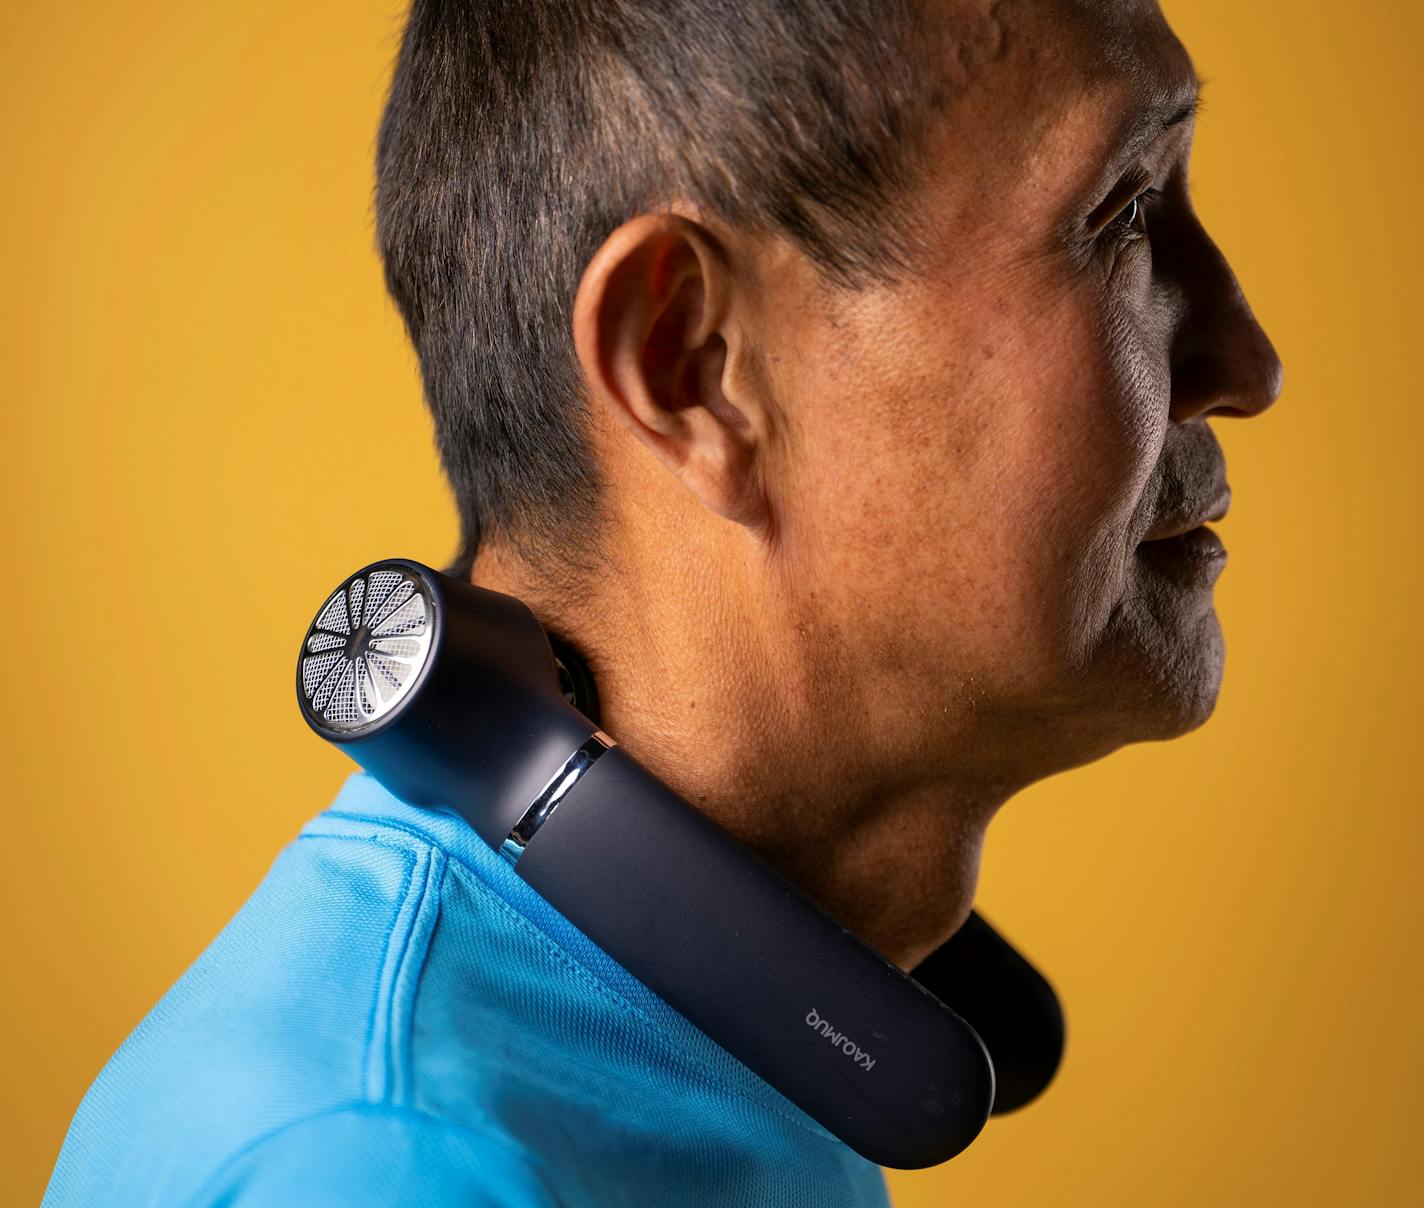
pixel 1223 363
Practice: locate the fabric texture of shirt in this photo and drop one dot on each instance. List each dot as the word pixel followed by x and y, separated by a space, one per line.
pixel 395 1017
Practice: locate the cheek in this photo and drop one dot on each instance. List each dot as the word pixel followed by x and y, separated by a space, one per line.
pixel 1067 412
pixel 1092 421
pixel 1091 429
pixel 983 472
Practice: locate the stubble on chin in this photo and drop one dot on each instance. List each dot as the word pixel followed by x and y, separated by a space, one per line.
pixel 1162 660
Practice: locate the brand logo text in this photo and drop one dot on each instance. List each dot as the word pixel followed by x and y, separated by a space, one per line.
pixel 840 1040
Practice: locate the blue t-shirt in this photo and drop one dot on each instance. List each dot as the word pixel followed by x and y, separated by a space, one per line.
pixel 395 1017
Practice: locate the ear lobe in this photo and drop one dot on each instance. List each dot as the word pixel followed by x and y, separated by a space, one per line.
pixel 651 327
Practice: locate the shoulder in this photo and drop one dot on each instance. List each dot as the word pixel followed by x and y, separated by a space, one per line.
pixel 378 1154
pixel 298 1007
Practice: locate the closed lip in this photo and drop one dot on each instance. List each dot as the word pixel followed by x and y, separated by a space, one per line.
pixel 1181 523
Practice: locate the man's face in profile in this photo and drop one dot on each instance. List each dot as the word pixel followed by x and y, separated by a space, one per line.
pixel 876 485
pixel 1007 459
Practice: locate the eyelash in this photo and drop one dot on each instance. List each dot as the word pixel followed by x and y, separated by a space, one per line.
pixel 1125 220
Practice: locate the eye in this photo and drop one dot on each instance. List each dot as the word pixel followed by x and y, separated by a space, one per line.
pixel 1132 218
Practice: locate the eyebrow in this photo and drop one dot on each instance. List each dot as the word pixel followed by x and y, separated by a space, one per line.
pixel 1152 118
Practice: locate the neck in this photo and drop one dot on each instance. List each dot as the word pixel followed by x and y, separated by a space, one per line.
pixel 758 731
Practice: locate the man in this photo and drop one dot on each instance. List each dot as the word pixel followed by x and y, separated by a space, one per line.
pixel 837 378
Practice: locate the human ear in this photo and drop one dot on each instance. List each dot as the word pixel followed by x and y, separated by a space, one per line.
pixel 652 328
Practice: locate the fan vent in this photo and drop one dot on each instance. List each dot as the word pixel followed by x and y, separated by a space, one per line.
pixel 365 649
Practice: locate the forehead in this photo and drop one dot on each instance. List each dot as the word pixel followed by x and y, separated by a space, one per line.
pixel 1012 83
pixel 979 44
pixel 1127 42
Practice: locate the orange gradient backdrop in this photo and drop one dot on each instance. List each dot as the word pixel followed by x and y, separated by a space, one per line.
pixel 212 415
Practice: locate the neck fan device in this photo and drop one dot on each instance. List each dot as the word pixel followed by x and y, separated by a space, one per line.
pixel 452 696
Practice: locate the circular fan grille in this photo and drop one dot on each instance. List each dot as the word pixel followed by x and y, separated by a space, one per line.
pixel 365 648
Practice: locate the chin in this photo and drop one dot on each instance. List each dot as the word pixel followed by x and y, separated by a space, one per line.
pixel 1178 683
pixel 1150 681
pixel 1153 676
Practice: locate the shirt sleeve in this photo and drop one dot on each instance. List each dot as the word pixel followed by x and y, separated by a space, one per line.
pixel 377 1156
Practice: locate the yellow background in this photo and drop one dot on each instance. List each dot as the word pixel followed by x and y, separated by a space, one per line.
pixel 211 416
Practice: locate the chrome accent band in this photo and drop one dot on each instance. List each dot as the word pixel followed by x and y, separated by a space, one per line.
pixel 554 792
